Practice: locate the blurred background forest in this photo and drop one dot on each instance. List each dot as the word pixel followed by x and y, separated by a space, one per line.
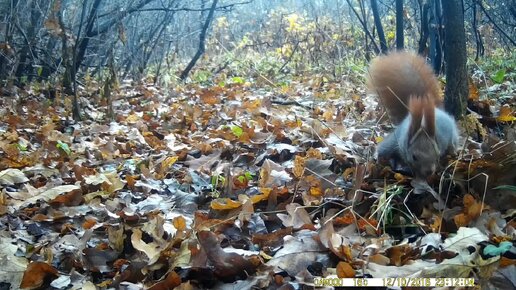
pixel 263 41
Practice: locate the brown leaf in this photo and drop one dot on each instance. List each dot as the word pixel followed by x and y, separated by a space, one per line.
pixel 203 222
pixel 228 266
pixel 363 224
pixel 36 274
pixel 273 239
pixel 131 180
pixel 505 262
pixel 461 220
pixel 344 270
pixel 470 212
pixel 379 259
pixel 210 97
pixel 72 198
pixel 89 223
pixel 132 273
pixel 81 172
pixel 173 280
pixel 399 255
pixel 119 263
pixel 473 91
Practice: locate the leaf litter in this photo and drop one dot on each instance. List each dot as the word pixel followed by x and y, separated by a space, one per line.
pixel 231 187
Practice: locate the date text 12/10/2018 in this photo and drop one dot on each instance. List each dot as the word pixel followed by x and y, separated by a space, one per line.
pixel 393 282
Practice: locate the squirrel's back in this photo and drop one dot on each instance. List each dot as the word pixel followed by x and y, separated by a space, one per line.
pixel 398 76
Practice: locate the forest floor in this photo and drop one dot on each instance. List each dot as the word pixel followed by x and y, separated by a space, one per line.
pixel 239 187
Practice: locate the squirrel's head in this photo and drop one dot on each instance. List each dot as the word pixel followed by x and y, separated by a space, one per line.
pixel 423 152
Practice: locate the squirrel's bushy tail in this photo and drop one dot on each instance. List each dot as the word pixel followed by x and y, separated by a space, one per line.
pixel 399 76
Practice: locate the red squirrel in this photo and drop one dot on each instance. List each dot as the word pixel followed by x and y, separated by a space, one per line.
pixel 409 90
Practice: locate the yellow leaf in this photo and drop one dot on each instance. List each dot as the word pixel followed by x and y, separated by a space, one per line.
pixel 132 118
pixel 314 153
pixel 344 270
pixel 104 284
pixel 328 115
pixel 293 21
pixel 179 223
pixel 169 161
pixel 315 191
pixel 259 197
pixel 225 203
pixel 265 256
pixel 299 166
pixel 348 173
pixel 506 114
pixel 399 177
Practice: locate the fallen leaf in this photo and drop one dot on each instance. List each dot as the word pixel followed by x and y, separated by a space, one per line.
pixel 225 203
pixel 36 274
pixel 464 238
pixel 150 249
pixel 228 266
pixel 297 216
pixel 12 176
pixel 49 194
pixel 179 223
pixel 344 270
pixel 171 281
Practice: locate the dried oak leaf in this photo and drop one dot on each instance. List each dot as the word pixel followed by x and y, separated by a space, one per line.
pixel 273 239
pixel 37 274
pixel 229 267
pixel 173 280
pixel 179 223
pixel 470 212
pixel 399 255
pixel 72 198
pixel 89 223
pixel 97 260
pixel 344 270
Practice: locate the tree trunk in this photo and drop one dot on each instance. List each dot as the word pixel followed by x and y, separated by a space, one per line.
pixel 424 28
pixel 478 37
pixel 26 55
pixel 69 75
pixel 455 54
pixel 363 22
pixel 436 35
pixel 83 43
pixel 202 41
pixel 379 27
pixel 50 66
pixel 399 25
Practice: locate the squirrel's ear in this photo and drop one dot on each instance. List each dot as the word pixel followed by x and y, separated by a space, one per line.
pixel 416 116
pixel 429 117
pixel 422 112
